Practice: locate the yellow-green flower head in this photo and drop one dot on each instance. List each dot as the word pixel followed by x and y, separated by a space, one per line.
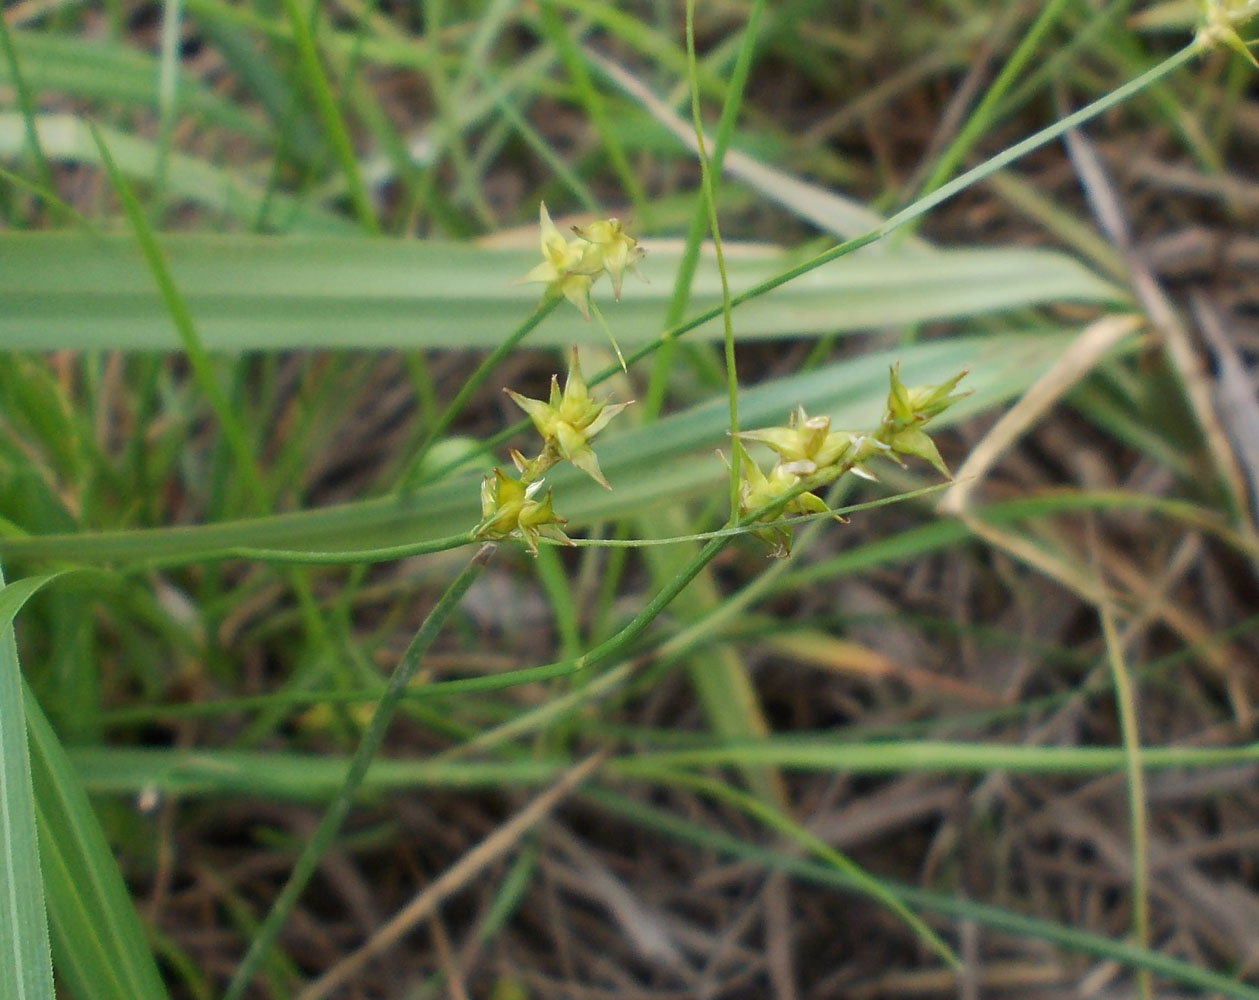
pixel 908 410
pixel 610 248
pixel 1220 19
pixel 508 508
pixel 914 407
pixel 569 420
pixel 758 490
pixel 562 269
pixel 806 444
pixel 914 441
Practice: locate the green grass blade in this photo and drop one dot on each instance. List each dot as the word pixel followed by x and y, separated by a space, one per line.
pixel 291 777
pixel 984 112
pixel 26 104
pixel 294 130
pixel 25 956
pixel 1007 156
pixel 1130 732
pixel 296 777
pixel 595 106
pixel 669 461
pixel 777 820
pixel 709 184
pixel 167 96
pixel 189 339
pixel 822 753
pixel 250 293
pixel 97 939
pixel 316 79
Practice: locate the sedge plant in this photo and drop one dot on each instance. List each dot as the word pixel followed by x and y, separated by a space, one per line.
pixel 513 506
pixel 519 504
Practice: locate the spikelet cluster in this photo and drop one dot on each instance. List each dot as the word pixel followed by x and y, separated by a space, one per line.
pixel 567 421
pixel 811 454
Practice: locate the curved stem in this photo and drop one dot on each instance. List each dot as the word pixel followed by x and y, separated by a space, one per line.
pixel 710 198
pixel 359 763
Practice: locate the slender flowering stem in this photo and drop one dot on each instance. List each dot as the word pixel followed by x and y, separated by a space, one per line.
pixel 710 198
pixel 319 843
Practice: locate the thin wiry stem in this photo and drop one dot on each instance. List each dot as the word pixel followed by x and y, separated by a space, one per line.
pixel 319 843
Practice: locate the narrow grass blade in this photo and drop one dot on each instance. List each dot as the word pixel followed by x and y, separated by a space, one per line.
pixel 320 88
pixel 212 773
pixel 289 777
pixel 671 460
pixel 780 822
pixel 1130 732
pixel 503 839
pixel 26 104
pixel 595 107
pixel 820 752
pixel 25 958
pixel 250 293
pixel 1038 139
pixel 97 939
pixel 983 115
pixel 189 339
